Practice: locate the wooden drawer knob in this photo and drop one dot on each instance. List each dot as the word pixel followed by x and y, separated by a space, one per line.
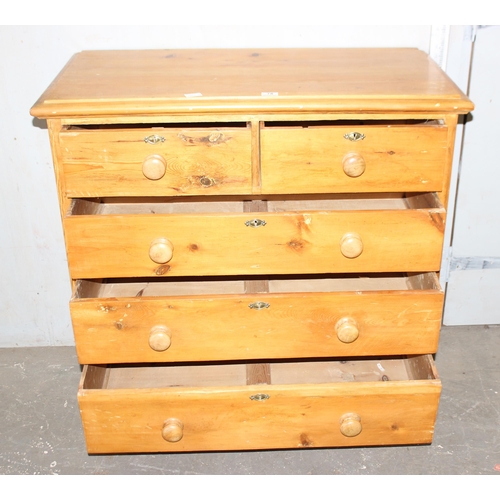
pixel 161 250
pixel 154 167
pixel 347 330
pixel 353 164
pixel 160 338
pixel 172 430
pixel 350 424
pixel 351 245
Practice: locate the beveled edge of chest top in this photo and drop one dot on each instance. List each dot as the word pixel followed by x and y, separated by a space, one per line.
pixel 230 81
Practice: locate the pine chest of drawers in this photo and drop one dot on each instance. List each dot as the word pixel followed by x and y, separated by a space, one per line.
pixel 254 239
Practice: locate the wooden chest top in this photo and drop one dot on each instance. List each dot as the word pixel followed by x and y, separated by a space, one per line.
pixel 188 81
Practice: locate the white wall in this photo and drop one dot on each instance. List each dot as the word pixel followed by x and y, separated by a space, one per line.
pixel 473 292
pixel 35 286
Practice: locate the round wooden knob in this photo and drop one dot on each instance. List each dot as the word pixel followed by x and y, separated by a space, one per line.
pixel 353 164
pixel 160 338
pixel 351 245
pixel 350 424
pixel 347 330
pixel 154 167
pixel 172 430
pixel 161 250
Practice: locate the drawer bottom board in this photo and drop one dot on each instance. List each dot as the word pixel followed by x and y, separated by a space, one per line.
pixel 365 402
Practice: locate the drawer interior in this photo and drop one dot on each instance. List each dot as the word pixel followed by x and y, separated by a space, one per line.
pixel 278 373
pixel 156 126
pixel 272 204
pixel 266 123
pixel 90 289
pixel 354 123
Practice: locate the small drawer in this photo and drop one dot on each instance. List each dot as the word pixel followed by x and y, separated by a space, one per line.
pixel 337 235
pixel 388 156
pixel 127 161
pixel 141 409
pixel 305 317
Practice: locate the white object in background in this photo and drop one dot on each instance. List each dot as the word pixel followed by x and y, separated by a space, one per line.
pixel 473 290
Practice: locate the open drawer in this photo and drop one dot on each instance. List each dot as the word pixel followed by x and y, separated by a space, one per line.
pixel 334 234
pixel 121 321
pixel 368 402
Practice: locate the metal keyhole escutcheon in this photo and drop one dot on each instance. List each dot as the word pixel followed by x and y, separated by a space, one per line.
pixel 259 397
pixel 255 223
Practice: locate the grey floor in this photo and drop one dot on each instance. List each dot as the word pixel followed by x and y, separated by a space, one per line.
pixel 40 430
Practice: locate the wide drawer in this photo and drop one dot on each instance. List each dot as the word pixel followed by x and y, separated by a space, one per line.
pixel 173 321
pixel 155 161
pixel 287 405
pixel 318 158
pixel 397 234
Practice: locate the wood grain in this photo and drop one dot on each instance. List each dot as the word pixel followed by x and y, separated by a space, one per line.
pixel 398 158
pixel 393 240
pixel 225 418
pixel 223 328
pixel 217 81
pixel 201 161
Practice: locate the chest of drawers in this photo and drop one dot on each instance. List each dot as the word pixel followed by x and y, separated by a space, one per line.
pixel 254 239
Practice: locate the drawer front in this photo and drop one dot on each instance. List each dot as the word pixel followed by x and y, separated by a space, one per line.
pixel 291 243
pixel 181 419
pixel 385 159
pixel 156 162
pixel 225 327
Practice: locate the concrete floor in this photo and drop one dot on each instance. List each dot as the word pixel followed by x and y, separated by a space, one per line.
pixel 41 433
